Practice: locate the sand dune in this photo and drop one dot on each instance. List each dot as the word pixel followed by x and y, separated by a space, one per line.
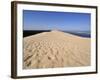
pixel 56 49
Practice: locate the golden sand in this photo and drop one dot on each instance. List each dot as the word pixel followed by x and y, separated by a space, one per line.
pixel 56 49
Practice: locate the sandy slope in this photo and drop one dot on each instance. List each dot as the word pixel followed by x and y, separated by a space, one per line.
pixel 56 49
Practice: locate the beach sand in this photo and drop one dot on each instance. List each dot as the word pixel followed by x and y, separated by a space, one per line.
pixel 56 49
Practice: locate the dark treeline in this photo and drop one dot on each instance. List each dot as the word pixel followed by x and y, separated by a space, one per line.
pixel 32 32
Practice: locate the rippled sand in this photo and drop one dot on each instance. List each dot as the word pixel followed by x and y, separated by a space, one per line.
pixel 56 49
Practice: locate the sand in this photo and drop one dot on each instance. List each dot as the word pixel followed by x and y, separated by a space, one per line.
pixel 56 49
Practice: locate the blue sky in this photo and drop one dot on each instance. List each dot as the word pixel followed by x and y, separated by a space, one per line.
pixel 46 20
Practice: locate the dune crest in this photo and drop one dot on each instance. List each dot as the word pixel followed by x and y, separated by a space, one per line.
pixel 56 49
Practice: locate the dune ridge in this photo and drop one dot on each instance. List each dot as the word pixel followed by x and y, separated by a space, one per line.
pixel 56 49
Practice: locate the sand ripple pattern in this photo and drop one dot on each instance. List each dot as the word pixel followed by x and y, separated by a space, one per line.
pixel 56 49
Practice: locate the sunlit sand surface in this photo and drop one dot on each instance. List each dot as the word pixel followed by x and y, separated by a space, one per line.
pixel 56 49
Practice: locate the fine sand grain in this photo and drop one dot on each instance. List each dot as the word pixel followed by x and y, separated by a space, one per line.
pixel 56 49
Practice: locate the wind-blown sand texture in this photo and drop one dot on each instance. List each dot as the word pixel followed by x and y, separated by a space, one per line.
pixel 56 49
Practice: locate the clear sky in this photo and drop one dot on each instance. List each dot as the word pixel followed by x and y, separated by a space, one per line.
pixel 46 20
